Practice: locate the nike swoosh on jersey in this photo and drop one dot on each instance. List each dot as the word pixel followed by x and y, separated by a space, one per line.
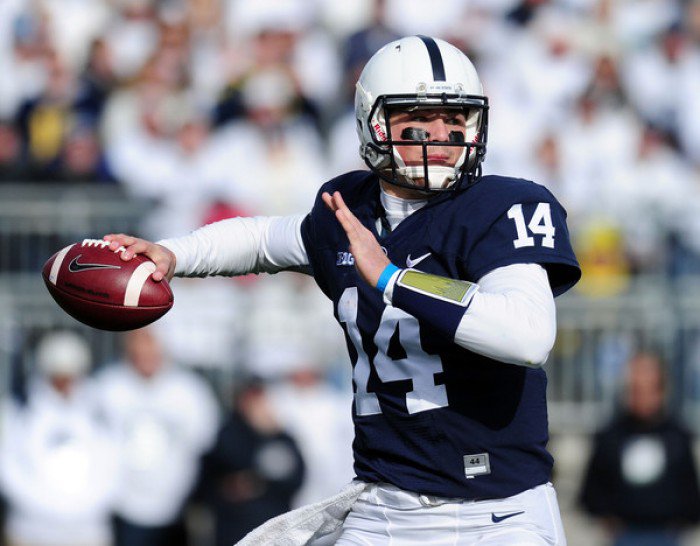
pixel 75 266
pixel 413 263
pixel 498 519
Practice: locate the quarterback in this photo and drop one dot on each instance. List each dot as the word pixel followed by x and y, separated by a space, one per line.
pixel 443 281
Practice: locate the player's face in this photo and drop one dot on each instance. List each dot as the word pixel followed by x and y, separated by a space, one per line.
pixel 429 124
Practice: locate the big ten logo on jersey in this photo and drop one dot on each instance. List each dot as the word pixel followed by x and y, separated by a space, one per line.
pixel 540 224
pixel 345 258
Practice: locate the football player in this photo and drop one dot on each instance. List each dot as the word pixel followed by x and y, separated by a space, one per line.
pixel 443 281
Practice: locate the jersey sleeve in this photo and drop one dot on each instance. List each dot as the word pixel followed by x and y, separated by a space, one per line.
pixel 238 246
pixel 529 228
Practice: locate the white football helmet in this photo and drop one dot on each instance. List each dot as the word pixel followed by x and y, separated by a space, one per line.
pixel 415 72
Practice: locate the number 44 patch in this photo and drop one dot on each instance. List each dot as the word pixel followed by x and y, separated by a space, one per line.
pixel 539 224
pixel 476 465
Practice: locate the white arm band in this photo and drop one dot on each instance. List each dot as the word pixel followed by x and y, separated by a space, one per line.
pixel 512 317
pixel 238 246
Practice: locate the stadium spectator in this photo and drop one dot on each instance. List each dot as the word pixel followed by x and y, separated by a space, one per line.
pixel 164 418
pixel 439 18
pixel 73 27
pixel 596 141
pixel 276 144
pixel 653 192
pixel 547 48
pixel 44 119
pixel 284 35
pixel 132 36
pixel 360 45
pixel 294 350
pixel 96 82
pixel 689 121
pixel 654 74
pixel 637 24
pixel 641 478
pixel 81 158
pixel 315 413
pixel 255 468
pixel 59 466
pixel 11 158
pixel 27 44
pixel 204 330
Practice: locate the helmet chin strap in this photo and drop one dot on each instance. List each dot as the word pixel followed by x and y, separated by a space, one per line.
pixel 439 176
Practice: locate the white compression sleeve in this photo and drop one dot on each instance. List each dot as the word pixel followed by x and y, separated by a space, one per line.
pixel 238 246
pixel 512 317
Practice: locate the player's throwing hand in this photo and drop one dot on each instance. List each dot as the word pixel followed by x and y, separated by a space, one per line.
pixel 161 256
pixel 370 259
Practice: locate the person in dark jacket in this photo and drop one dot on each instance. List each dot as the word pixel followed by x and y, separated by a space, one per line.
pixel 254 469
pixel 641 478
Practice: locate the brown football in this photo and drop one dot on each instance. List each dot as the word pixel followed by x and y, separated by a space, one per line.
pixel 95 286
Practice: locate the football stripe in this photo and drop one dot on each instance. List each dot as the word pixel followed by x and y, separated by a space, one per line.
pixel 56 266
pixel 136 282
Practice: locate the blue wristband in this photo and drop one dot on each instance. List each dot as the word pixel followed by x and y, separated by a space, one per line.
pixel 389 270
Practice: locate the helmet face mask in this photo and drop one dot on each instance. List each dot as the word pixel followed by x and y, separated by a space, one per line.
pixel 409 64
pixel 470 143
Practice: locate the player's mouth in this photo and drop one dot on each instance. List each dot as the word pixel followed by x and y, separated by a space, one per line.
pixel 438 159
pixel 433 159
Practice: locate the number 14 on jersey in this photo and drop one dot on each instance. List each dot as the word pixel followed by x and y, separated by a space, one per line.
pixel 418 366
pixel 540 224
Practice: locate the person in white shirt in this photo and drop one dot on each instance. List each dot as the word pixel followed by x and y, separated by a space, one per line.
pixel 165 418
pixel 58 464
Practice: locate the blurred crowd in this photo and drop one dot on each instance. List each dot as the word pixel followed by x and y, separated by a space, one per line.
pixel 210 109
pixel 143 452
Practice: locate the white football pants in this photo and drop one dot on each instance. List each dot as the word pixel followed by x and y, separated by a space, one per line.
pixel 384 515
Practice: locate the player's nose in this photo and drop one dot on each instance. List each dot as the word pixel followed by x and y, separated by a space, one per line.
pixel 439 130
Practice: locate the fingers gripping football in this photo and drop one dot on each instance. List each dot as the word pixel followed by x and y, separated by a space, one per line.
pixel 370 259
pixel 158 254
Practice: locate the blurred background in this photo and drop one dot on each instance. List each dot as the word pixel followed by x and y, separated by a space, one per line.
pixel 156 116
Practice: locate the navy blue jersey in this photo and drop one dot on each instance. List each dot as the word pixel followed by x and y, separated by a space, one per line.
pixel 430 416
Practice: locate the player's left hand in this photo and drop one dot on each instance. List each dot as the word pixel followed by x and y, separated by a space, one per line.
pixel 370 259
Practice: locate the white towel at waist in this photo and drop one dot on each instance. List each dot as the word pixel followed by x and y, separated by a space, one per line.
pixel 307 523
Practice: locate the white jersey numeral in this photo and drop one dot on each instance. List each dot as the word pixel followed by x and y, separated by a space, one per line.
pixel 366 403
pixel 417 365
pixel 540 224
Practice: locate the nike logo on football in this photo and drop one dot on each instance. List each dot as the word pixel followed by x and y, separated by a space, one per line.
pixel 498 519
pixel 413 263
pixel 75 266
